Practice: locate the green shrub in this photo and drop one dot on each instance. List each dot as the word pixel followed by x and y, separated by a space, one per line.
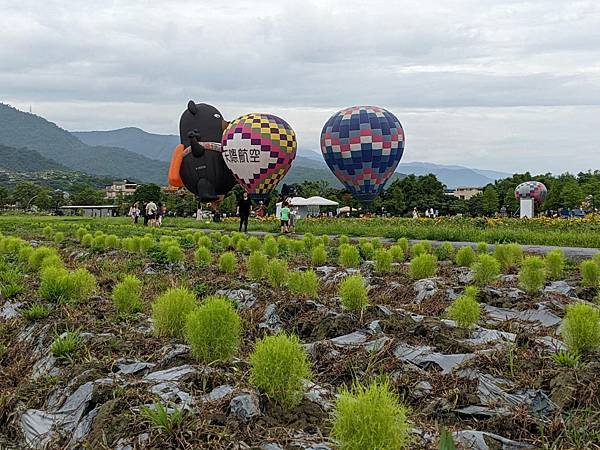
pixel 508 255
pixel 590 273
pixel 216 236
pixel 349 256
pixel 87 240
pixel 48 231
pixel 465 310
pixel 418 249
pixel 256 265
pixel 227 262
pixel 170 310
pixel 532 275
pixel 343 239
pixel 296 247
pixel 24 254
pixel 66 346
pixel 580 328
pixel 565 358
pixel 383 261
pixel 304 283
pixel 84 284
pixel 366 250
pixel 204 241
pixel 127 295
pixel 203 257
pixel 112 241
pixel 446 439
pixel 278 367
pixel 427 246
pixel 52 260
pixel 404 245
pixel 465 256
pixel 283 243
pixel 59 237
pixel 36 311
pixel 423 266
pixel 319 256
pixel 99 233
pixel 226 242
pixel 270 247
pixel 482 247
pixel 80 233
pixel 242 245
pixel 486 269
pixel 555 263
pixel 397 253
pixel 54 284
pixel 254 244
pixel 309 241
pixel 213 330
pixel 277 272
pixel 174 254
pixel 445 251
pixel 324 240
pixel 370 417
pixel 99 243
pixel 11 281
pixel 353 293
pixel 38 255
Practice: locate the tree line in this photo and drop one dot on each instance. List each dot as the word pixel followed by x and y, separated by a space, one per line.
pixel 398 199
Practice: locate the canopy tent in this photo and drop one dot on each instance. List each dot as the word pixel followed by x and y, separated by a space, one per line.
pixel 307 206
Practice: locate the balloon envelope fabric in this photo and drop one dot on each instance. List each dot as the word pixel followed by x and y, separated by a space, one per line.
pixel 259 150
pixel 531 189
pixel 362 146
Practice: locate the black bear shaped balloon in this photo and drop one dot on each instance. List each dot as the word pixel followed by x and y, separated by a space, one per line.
pixel 197 162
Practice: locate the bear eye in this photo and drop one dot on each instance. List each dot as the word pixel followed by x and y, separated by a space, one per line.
pixel 217 116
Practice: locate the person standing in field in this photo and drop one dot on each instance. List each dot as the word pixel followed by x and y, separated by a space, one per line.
pixel 151 209
pixel 292 220
pixel 260 212
pixel 160 212
pixel 284 216
pixel 134 212
pixel 415 213
pixel 243 209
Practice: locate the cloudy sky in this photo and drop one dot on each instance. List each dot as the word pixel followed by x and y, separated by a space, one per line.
pixel 495 84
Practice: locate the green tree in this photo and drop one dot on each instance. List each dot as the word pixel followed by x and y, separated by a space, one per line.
pixel 571 194
pixel 146 192
pixel 43 200
pixel 83 194
pixel 489 201
pixel 25 192
pixel 475 205
pixel 4 197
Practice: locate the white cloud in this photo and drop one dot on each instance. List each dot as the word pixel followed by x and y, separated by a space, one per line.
pixel 474 82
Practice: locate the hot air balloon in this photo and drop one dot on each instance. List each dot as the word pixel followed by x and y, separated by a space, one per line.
pixel 531 190
pixel 528 194
pixel 362 146
pixel 259 150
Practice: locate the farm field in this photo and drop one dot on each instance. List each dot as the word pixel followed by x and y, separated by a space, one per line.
pixel 114 336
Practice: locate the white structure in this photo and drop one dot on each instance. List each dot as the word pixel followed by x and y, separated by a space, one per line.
pixel 307 206
pixel 124 187
pixel 527 208
pixel 90 211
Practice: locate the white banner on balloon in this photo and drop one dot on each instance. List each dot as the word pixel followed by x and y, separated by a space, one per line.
pixel 245 159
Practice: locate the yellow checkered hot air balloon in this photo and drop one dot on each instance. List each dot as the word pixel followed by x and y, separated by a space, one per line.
pixel 259 150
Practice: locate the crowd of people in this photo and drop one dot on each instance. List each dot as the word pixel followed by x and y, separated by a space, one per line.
pixel 152 213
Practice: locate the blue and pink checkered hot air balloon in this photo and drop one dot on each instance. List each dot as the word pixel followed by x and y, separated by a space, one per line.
pixel 531 189
pixel 362 146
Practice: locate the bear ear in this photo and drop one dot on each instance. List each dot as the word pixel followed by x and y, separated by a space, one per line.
pixel 192 107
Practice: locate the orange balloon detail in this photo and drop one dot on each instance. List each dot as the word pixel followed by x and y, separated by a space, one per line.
pixel 176 159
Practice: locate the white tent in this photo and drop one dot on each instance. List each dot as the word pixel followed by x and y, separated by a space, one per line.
pixel 307 206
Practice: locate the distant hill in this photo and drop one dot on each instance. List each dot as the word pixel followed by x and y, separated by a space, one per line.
pixel 155 146
pixel 451 175
pixel 19 129
pixel 25 160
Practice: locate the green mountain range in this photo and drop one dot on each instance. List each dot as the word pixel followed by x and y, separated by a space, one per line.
pixel 24 130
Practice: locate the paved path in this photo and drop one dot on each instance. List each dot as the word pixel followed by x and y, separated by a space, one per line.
pixel 577 253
